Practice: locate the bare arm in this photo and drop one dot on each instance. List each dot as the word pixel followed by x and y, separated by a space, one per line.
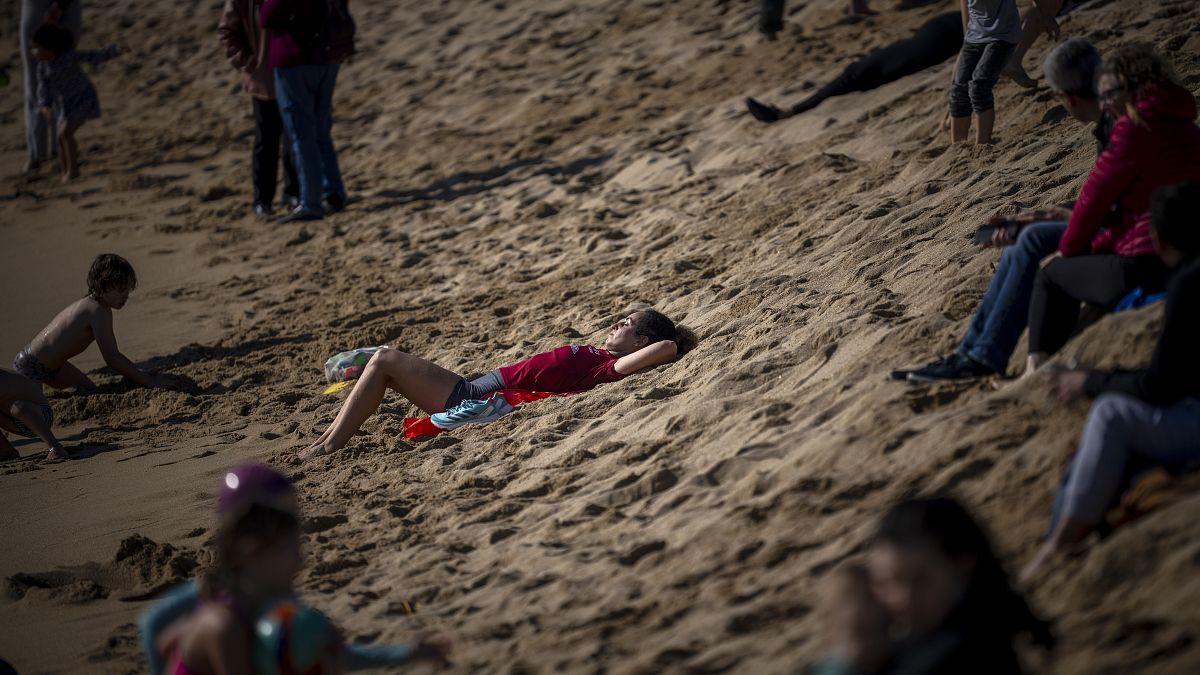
pixel 963 5
pixel 647 357
pixel 102 330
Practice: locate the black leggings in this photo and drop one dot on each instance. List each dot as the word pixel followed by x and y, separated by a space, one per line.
pixel 937 40
pixel 1100 280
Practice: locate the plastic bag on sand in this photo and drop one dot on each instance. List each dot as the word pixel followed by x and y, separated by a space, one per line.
pixel 348 365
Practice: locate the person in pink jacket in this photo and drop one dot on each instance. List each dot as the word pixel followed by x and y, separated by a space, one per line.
pixel 1155 142
pixel 245 44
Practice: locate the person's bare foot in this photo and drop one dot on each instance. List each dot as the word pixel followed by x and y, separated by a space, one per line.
pixel 31 169
pixel 58 454
pixel 317 449
pixel 1017 74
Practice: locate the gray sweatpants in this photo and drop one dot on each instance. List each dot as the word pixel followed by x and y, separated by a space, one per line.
pixel 1117 427
pixel 39 137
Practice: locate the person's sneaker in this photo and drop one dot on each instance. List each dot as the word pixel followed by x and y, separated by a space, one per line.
pixel 299 215
pixel 334 203
pixel 472 411
pixel 263 210
pixel 762 111
pixel 953 367
pixel 289 202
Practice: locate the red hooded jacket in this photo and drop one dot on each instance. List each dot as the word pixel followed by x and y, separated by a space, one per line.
pixel 1161 149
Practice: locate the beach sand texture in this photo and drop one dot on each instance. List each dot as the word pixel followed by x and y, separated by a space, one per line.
pixel 522 173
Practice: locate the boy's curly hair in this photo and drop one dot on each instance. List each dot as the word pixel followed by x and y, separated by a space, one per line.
pixel 110 271
pixel 1135 66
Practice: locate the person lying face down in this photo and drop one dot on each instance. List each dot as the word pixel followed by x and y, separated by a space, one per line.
pixel 935 41
pixel 641 340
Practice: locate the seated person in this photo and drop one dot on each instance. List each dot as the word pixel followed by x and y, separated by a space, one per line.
pixel 24 411
pixel 644 339
pixel 996 328
pixel 1155 142
pixel 935 41
pixel 47 358
pixel 1153 413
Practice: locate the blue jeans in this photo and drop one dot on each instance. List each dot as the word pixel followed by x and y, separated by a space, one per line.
pixel 978 69
pixel 305 95
pixel 1004 311
pixel 1121 428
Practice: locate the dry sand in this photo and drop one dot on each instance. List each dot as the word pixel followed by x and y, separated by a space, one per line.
pixel 522 172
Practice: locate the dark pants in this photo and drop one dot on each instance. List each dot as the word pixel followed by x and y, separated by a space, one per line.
pixel 979 67
pixel 1100 280
pixel 268 139
pixel 770 16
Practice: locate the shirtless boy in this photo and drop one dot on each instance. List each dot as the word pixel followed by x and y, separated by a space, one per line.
pixel 46 358
pixel 25 412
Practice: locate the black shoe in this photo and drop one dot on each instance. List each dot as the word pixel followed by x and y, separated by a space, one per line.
pixel 289 202
pixel 334 203
pixel 299 215
pixel 263 210
pixel 763 112
pixel 953 367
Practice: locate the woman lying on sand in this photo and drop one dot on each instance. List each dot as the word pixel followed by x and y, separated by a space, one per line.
pixel 644 339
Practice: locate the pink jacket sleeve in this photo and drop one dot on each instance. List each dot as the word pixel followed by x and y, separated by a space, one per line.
pixel 1115 169
pixel 271 13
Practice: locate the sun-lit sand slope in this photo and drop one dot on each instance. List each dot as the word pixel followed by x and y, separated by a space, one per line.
pixel 523 172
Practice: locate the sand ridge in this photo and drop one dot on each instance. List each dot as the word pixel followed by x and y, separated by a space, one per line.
pixel 523 173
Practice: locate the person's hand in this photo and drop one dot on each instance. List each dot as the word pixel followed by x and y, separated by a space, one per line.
pixel 1049 259
pixel 1040 215
pixel 1067 385
pixel 431 648
pixel 945 123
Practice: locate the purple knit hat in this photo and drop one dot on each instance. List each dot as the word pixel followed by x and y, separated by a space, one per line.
pixel 249 484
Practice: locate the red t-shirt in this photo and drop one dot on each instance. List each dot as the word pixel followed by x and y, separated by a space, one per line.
pixel 567 369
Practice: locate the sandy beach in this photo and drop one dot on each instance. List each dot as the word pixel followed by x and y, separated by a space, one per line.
pixel 521 174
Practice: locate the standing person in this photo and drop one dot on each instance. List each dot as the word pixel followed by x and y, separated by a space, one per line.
pixel 245 46
pixel 64 92
pixel 951 604
pixel 992 29
pixel 41 145
pixel 1151 413
pixel 308 41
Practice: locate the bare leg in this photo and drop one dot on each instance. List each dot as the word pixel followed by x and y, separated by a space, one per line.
pixel 959 128
pixel 69 149
pixel 31 415
pixel 983 132
pixel 426 384
pixel 71 377
pixel 1032 363
pixel 1068 532
pixel 1033 26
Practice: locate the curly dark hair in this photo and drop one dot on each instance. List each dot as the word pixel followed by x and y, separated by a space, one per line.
pixel 656 327
pixel 53 38
pixel 110 271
